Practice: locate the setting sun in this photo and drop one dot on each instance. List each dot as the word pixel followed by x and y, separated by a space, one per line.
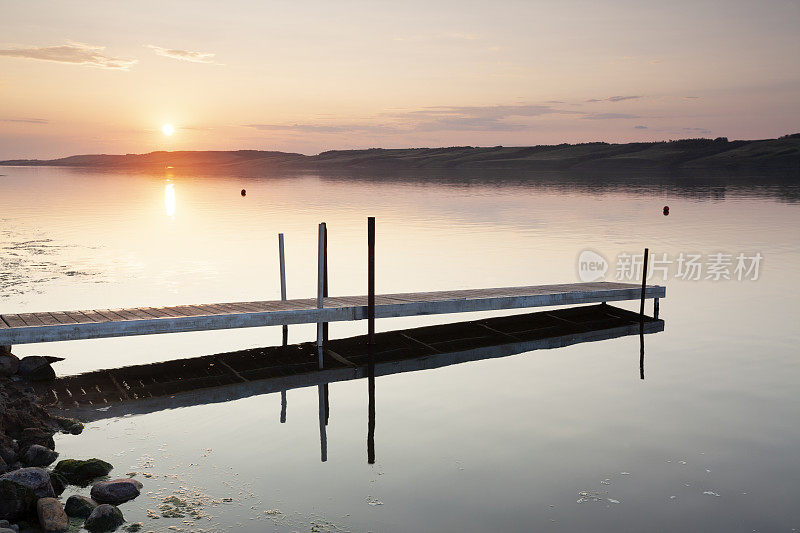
pixel 168 129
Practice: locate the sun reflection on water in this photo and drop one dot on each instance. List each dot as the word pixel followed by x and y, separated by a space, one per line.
pixel 169 199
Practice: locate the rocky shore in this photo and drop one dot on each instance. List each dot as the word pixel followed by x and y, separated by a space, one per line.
pixel 30 486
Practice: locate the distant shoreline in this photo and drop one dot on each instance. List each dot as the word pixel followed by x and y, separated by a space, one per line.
pixel 686 156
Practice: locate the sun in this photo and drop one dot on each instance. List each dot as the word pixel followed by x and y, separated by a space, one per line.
pixel 168 129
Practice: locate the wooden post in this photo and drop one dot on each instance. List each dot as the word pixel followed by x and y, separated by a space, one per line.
pixel 320 288
pixel 655 308
pixel 282 264
pixel 371 339
pixel 644 283
pixel 325 283
pixel 371 286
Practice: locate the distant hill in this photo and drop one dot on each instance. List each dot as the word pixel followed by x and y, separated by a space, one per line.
pixel 681 156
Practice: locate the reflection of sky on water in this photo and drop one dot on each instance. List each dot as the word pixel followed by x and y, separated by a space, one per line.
pixel 489 445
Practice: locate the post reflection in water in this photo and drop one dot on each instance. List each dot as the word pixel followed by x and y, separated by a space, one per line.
pixel 169 199
pixel 371 415
pixel 323 434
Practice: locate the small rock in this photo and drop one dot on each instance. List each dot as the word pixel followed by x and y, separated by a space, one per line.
pixel 58 482
pixel 8 455
pixel 81 472
pixel 69 425
pixel 9 364
pixel 37 367
pixel 36 479
pixel 3 466
pixel 38 455
pixel 104 518
pixel 36 436
pixel 116 491
pixel 16 499
pixel 51 515
pixel 79 506
pixel 7 530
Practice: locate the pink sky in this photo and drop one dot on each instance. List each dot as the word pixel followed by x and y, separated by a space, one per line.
pixel 103 77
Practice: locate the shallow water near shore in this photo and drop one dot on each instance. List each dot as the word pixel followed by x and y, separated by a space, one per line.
pixel 552 440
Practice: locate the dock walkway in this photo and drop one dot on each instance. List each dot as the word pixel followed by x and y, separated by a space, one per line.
pixel 25 328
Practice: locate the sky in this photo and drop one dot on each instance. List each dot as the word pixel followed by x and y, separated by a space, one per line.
pixel 104 76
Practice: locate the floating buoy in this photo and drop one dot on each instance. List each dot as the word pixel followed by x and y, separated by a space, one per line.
pixel 244 193
pixel 666 208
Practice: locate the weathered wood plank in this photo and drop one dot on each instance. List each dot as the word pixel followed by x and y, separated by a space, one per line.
pixel 15 321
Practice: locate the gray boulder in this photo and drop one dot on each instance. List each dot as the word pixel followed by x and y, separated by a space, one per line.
pixel 38 455
pixel 36 479
pixel 116 491
pixel 9 364
pixel 51 515
pixel 16 499
pixel 79 506
pixel 104 518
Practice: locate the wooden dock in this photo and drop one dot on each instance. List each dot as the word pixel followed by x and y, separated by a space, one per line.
pixel 228 376
pixel 24 328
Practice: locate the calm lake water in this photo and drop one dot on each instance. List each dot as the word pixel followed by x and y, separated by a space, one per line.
pixel 553 440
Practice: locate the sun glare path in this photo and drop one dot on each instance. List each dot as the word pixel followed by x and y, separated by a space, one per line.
pixel 168 129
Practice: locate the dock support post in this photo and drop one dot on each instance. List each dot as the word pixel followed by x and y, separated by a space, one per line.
pixel 655 308
pixel 641 315
pixel 282 264
pixel 320 287
pixel 371 338
pixel 644 283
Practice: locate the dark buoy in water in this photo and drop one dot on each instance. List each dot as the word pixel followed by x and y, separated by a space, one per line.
pixel 666 208
pixel 244 193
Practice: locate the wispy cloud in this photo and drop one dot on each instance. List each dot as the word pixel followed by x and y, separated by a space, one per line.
pixel 615 98
pixel 701 131
pixel 325 128
pixel 640 127
pixel 476 118
pixel 26 120
pixel 72 53
pixel 183 55
pixel 692 97
pixel 610 116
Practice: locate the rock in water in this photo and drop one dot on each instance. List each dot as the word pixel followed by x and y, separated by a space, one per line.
pixel 68 425
pixel 9 364
pixel 37 367
pixel 51 515
pixel 38 455
pixel 79 506
pixel 81 472
pixel 16 499
pixel 58 482
pixel 36 479
pixel 116 491
pixel 36 436
pixel 104 518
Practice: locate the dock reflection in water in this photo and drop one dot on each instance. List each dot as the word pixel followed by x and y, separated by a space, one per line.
pixel 229 376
